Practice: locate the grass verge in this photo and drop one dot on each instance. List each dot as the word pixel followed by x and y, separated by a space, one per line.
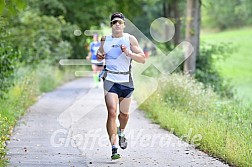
pixel 237 66
pixel 221 128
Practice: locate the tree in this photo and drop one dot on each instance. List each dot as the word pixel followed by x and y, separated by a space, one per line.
pixel 39 38
pixel 9 57
pixel 86 15
pixel 11 7
pixel 172 11
pixel 226 14
pixel 193 20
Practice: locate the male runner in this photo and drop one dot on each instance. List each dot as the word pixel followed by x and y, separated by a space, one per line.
pixel 118 50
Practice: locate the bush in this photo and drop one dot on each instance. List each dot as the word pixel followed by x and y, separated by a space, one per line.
pixel 226 14
pixel 8 58
pixel 39 38
pixel 207 73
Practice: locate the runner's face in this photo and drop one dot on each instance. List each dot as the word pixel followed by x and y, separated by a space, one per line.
pixel 95 37
pixel 117 25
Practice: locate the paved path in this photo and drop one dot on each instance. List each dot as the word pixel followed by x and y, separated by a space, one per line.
pixel 67 128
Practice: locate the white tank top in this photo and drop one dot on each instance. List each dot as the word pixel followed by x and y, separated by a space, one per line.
pixel 116 60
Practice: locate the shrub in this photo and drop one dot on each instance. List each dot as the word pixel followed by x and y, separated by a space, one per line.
pixel 39 38
pixel 8 58
pixel 207 73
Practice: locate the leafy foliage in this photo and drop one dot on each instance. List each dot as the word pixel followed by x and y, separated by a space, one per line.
pixel 226 14
pixel 51 7
pixel 86 14
pixel 8 58
pixel 207 73
pixel 11 7
pixel 39 38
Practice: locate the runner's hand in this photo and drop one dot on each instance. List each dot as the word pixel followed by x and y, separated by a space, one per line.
pixel 125 50
pixel 100 56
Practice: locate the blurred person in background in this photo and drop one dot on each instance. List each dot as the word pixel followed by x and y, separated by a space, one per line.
pixel 97 66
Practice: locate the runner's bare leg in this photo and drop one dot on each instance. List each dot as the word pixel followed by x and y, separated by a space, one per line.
pixel 124 107
pixel 111 100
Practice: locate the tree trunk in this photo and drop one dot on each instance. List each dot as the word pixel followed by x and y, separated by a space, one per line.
pixel 166 9
pixel 171 11
pixel 193 19
pixel 177 23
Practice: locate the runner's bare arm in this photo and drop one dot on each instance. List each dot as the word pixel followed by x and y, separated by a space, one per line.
pixel 100 52
pixel 88 56
pixel 137 53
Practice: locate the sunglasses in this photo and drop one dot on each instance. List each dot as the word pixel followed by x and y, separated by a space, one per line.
pixel 115 21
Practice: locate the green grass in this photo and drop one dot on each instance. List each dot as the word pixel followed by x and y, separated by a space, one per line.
pixel 221 128
pixel 183 105
pixel 237 66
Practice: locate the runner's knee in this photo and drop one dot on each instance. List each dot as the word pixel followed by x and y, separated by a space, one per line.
pixel 123 115
pixel 112 114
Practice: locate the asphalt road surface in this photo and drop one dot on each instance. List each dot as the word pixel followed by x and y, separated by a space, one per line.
pixel 66 127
